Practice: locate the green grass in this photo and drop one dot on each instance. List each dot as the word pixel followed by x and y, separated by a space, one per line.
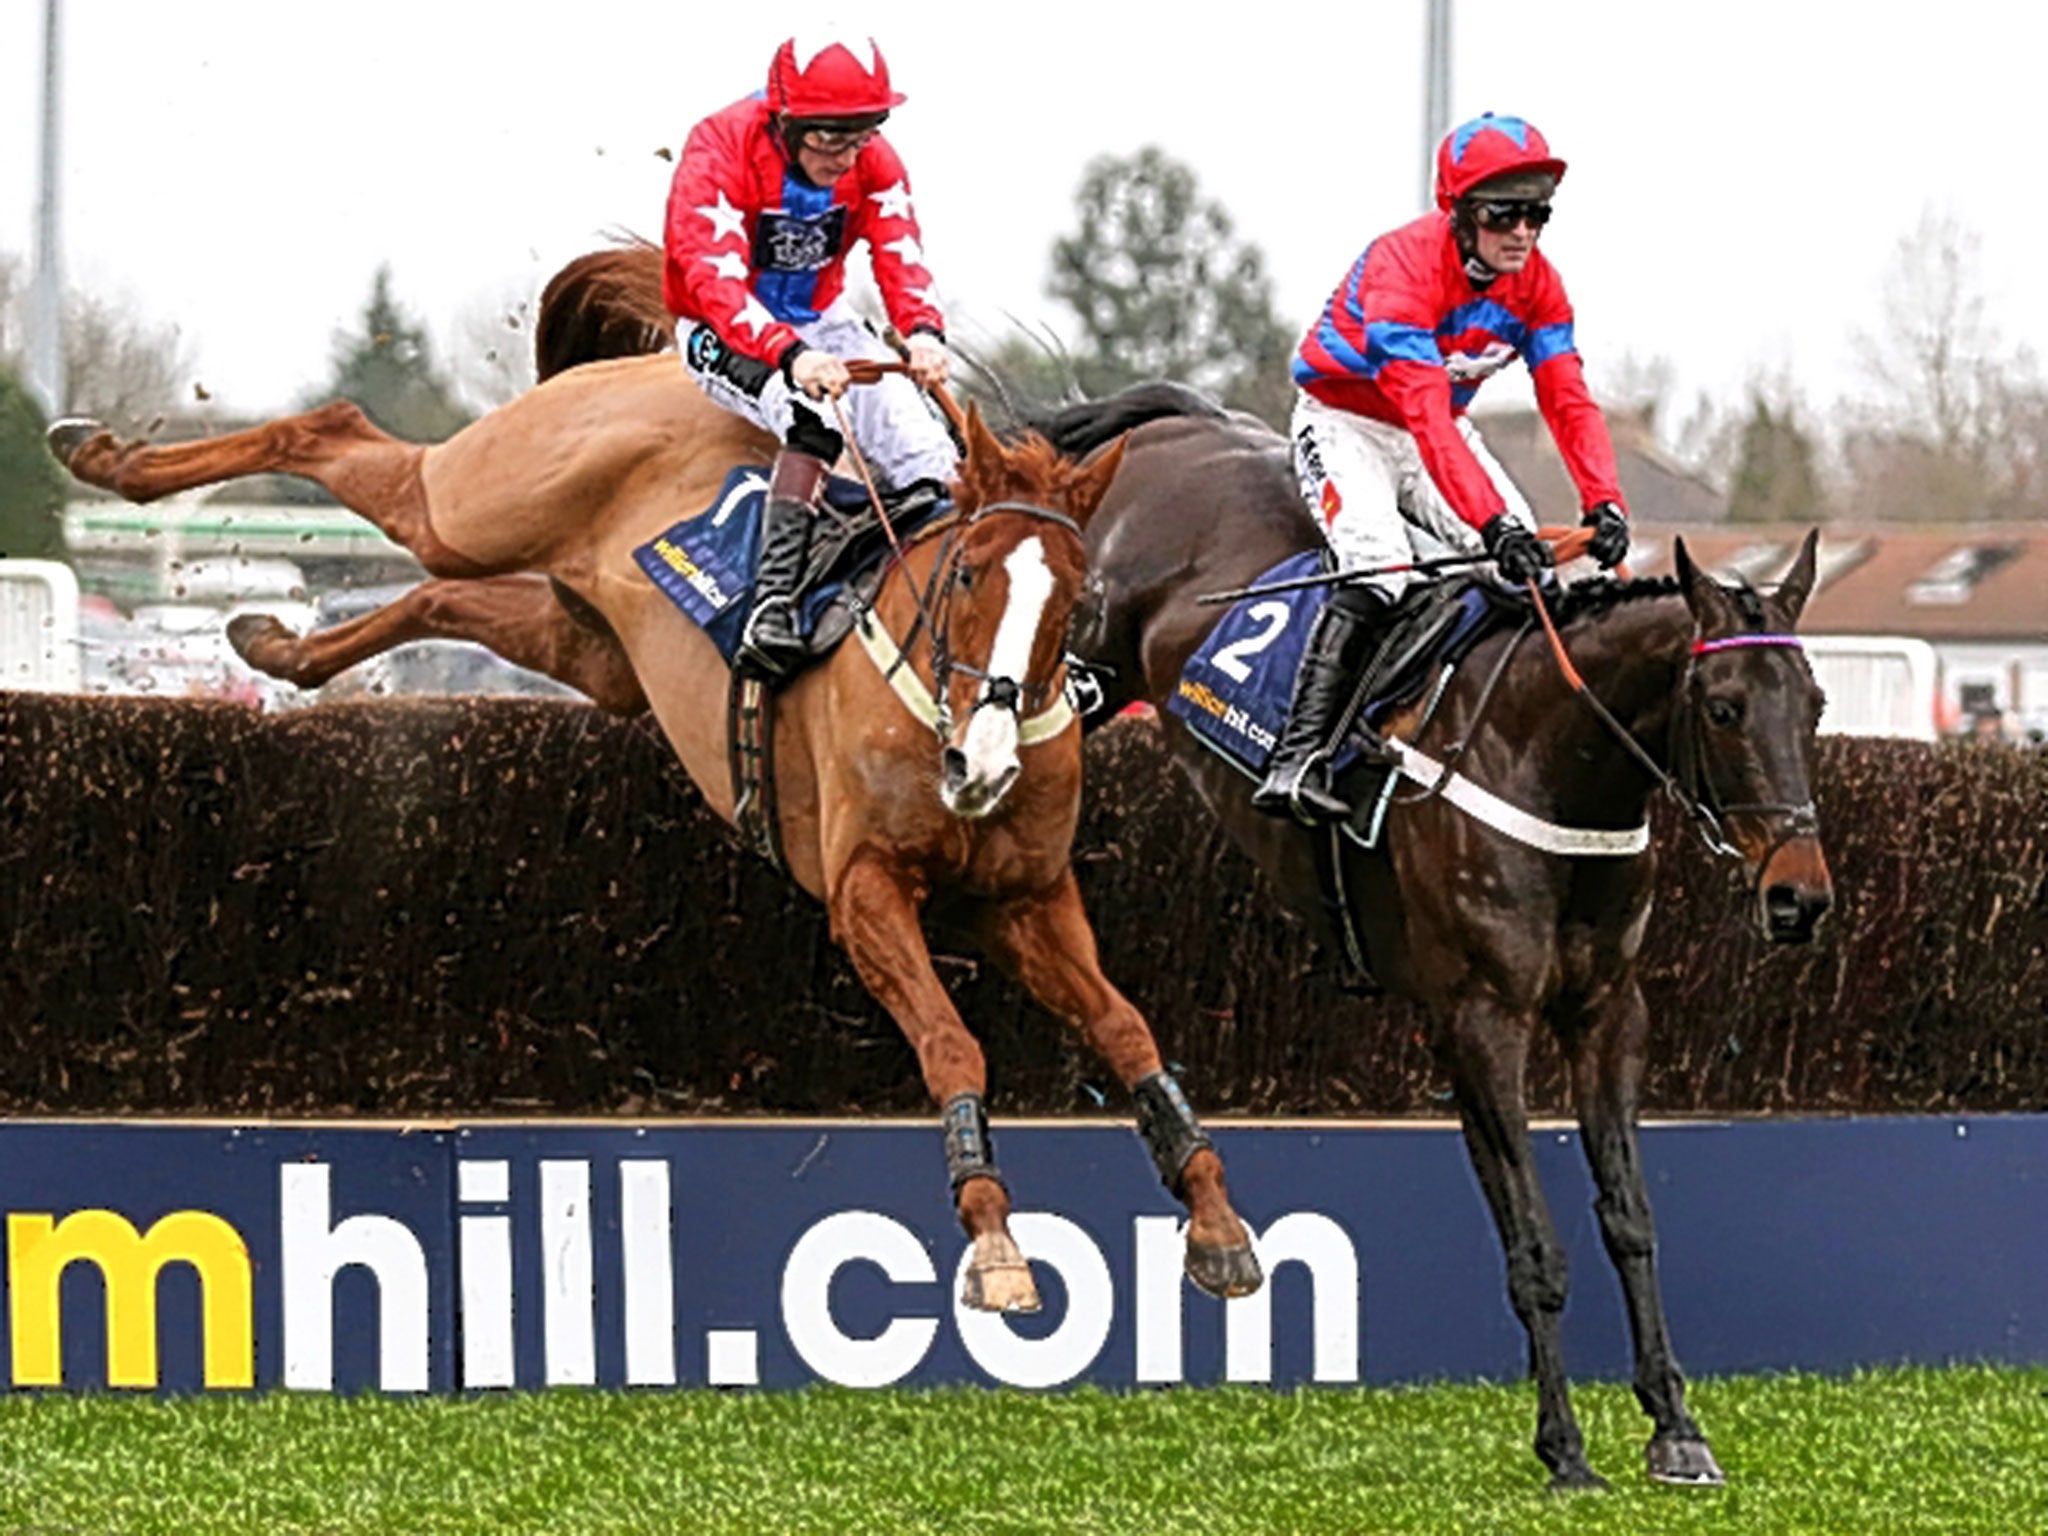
pixel 1963 1450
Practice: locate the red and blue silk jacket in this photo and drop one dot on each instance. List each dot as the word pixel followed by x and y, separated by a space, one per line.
pixel 1408 338
pixel 754 249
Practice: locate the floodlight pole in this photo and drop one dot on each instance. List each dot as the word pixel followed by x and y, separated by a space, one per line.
pixel 46 287
pixel 1436 92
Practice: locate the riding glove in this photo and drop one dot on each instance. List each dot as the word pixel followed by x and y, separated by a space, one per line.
pixel 1517 553
pixel 1610 534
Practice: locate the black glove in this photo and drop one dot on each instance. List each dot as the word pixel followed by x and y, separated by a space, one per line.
pixel 1517 553
pixel 1610 534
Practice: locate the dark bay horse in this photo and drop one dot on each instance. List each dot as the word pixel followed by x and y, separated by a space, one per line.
pixel 1496 938
pixel 957 779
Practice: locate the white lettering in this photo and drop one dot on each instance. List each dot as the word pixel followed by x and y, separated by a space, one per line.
pixel 313 1253
pixel 649 1254
pixel 568 1295
pixel 1159 1246
pixel 1091 1307
pixel 1316 1241
pixel 807 1299
pixel 487 1353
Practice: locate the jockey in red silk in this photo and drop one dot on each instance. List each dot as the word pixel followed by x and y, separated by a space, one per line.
pixel 768 198
pixel 1382 445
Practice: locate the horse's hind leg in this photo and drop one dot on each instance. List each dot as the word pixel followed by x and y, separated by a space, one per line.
pixel 369 471
pixel 1607 1069
pixel 1486 1049
pixel 518 616
pixel 1046 942
pixel 874 910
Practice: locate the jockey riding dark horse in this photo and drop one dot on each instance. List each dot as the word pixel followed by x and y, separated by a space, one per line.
pixel 1382 446
pixel 1509 888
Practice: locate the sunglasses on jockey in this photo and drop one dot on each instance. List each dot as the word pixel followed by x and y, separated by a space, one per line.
pixel 836 138
pixel 1500 216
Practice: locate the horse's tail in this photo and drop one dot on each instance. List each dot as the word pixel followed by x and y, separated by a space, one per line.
pixel 1078 430
pixel 606 304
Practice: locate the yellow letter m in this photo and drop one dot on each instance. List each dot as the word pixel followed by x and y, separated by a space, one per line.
pixel 38 1252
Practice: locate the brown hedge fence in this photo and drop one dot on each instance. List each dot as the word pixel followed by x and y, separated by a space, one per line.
pixel 472 906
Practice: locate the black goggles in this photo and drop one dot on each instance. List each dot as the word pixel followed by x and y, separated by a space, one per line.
pixel 1501 217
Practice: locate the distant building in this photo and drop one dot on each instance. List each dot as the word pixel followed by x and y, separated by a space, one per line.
pixel 1976 593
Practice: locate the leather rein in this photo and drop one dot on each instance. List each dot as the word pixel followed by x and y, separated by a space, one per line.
pixel 1691 788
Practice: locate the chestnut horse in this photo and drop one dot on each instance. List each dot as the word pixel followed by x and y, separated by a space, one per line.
pixel 551 494
pixel 1493 932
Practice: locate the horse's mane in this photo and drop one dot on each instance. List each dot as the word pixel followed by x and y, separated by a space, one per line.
pixel 1079 429
pixel 1603 594
pixel 606 304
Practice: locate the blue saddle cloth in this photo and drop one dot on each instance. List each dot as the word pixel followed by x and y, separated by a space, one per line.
pixel 1234 691
pixel 705 564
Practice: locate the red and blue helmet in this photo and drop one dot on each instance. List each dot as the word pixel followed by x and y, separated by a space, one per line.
pixel 830 78
pixel 1486 147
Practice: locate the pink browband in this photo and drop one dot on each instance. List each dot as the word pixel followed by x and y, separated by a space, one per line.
pixel 1732 642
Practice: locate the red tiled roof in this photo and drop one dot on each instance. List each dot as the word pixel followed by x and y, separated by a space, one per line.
pixel 1980 581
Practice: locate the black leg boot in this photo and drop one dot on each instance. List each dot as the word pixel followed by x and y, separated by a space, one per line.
pixel 1298 781
pixel 773 645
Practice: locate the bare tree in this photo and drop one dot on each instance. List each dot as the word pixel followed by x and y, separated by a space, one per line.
pixel 121 370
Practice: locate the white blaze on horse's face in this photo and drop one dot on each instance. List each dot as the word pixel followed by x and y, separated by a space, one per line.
pixel 982 762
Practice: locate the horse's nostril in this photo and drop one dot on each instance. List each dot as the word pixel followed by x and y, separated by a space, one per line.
pixel 1791 913
pixel 953 762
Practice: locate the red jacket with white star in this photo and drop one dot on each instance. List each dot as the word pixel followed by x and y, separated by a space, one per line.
pixel 1408 338
pixel 756 250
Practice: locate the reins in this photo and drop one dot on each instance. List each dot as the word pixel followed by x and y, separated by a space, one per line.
pixel 1691 788
pixel 935 602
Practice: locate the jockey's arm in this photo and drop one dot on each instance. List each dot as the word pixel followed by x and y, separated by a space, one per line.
pixel 1422 393
pixel 706 270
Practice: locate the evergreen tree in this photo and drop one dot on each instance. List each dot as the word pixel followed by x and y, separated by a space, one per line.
pixel 387 368
pixel 1163 288
pixel 1775 478
pixel 32 483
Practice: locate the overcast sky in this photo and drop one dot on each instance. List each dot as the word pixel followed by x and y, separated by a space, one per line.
pixel 1740 170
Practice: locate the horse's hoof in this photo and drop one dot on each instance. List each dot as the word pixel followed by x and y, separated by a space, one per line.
pixel 1224 1271
pixel 68 434
pixel 1579 1479
pixel 1000 1288
pixel 253 635
pixel 1688 1463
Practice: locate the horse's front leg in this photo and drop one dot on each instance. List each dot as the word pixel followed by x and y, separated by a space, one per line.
pixel 1611 1038
pixel 1486 1047
pixel 1047 943
pixel 874 911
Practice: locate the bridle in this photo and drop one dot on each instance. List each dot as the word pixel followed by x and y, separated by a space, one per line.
pixel 933 705
pixel 1691 786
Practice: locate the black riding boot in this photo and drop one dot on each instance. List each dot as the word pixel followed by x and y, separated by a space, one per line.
pixel 773 645
pixel 1298 781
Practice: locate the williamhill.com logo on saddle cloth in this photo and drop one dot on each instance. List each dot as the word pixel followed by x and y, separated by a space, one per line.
pixel 1235 689
pixel 705 564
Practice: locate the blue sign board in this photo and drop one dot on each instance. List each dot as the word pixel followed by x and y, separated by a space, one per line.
pixel 779 1254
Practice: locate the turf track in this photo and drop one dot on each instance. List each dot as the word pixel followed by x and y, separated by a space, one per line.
pixel 1964 1450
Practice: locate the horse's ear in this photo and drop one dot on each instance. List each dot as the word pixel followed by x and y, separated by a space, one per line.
pixel 982 471
pixel 1797 586
pixel 1092 483
pixel 1703 595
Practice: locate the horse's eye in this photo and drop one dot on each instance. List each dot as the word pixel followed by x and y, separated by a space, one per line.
pixel 1725 713
pixel 964 578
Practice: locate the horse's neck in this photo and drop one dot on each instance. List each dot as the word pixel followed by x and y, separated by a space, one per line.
pixel 1631 657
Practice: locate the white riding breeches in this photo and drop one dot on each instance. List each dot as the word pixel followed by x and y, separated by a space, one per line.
pixel 898 433
pixel 1365 484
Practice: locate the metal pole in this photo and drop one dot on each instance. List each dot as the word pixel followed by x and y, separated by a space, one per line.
pixel 1436 93
pixel 46 288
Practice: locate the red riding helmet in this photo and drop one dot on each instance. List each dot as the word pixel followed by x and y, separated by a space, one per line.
pixel 830 78
pixel 1486 147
